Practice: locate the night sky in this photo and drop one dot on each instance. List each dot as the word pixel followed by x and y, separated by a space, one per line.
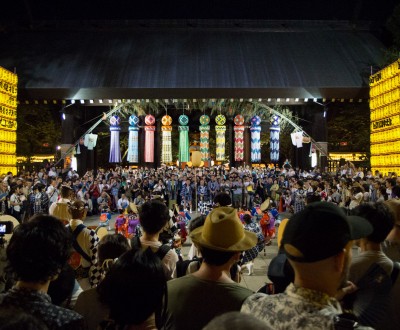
pixel 25 11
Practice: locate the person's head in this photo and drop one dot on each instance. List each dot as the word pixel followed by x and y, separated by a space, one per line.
pixel 319 239
pixel 110 247
pixel 77 209
pixel 39 249
pixel 66 192
pixel 222 199
pixel 196 222
pixel 247 218
pixel 134 288
pixel 218 249
pixel 153 216
pixel 379 216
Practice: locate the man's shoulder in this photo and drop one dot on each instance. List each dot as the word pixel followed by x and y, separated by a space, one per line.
pixel 282 312
pixel 189 282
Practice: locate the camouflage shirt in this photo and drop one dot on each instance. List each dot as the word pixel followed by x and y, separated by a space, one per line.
pixel 296 308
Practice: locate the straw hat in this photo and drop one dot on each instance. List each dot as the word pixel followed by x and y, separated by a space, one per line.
pixel 101 232
pixel 223 231
pixel 133 208
pixel 264 206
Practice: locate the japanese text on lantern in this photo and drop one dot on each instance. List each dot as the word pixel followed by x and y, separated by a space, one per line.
pixel 8 121
pixel 385 119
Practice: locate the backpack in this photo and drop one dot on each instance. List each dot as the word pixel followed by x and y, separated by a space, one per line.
pixel 77 254
pixel 161 252
pixel 183 265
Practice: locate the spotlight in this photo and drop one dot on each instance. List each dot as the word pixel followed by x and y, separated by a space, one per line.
pixel 100 101
pixel 72 101
pixel 63 116
pixel 296 99
pixel 306 99
pixel 82 101
pixel 91 101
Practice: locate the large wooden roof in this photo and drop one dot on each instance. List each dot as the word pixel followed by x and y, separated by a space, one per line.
pixel 160 59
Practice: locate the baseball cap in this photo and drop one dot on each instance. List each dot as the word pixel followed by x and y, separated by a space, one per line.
pixel 321 231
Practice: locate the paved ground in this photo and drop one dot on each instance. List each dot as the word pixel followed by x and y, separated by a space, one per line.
pixel 253 282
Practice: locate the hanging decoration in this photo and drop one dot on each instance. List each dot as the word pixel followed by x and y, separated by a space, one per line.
pixel 220 137
pixel 255 131
pixel 166 151
pixel 205 137
pixel 115 152
pixel 149 120
pixel 184 155
pixel 274 138
pixel 133 141
pixel 239 130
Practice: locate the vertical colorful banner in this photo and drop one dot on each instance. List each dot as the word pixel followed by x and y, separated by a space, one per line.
pixel 115 152
pixel 149 120
pixel 166 151
pixel 255 131
pixel 239 139
pixel 133 141
pixel 220 137
pixel 8 121
pixel 274 138
pixel 204 137
pixel 184 155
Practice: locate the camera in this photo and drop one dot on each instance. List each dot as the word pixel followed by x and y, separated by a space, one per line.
pixel 6 227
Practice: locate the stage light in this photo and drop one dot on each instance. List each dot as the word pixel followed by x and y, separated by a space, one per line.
pixel 109 101
pixel 278 99
pixel 287 99
pixel 306 99
pixel 82 101
pixel 296 99
pixel 72 101
pixel 100 101
pixel 63 116
pixel 91 101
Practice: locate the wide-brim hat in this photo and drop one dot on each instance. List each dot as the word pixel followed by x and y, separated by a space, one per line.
pixel 264 206
pixel 223 231
pixel 133 208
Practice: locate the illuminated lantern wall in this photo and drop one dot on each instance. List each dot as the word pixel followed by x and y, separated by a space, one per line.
pixel 385 119
pixel 8 121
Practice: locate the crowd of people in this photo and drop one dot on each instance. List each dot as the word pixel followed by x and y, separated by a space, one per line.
pixel 61 275
pixel 33 192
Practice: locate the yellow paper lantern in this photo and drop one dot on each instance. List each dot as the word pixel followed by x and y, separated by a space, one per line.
pixel 196 158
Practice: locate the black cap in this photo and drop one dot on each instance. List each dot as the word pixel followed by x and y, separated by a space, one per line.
pixel 321 231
